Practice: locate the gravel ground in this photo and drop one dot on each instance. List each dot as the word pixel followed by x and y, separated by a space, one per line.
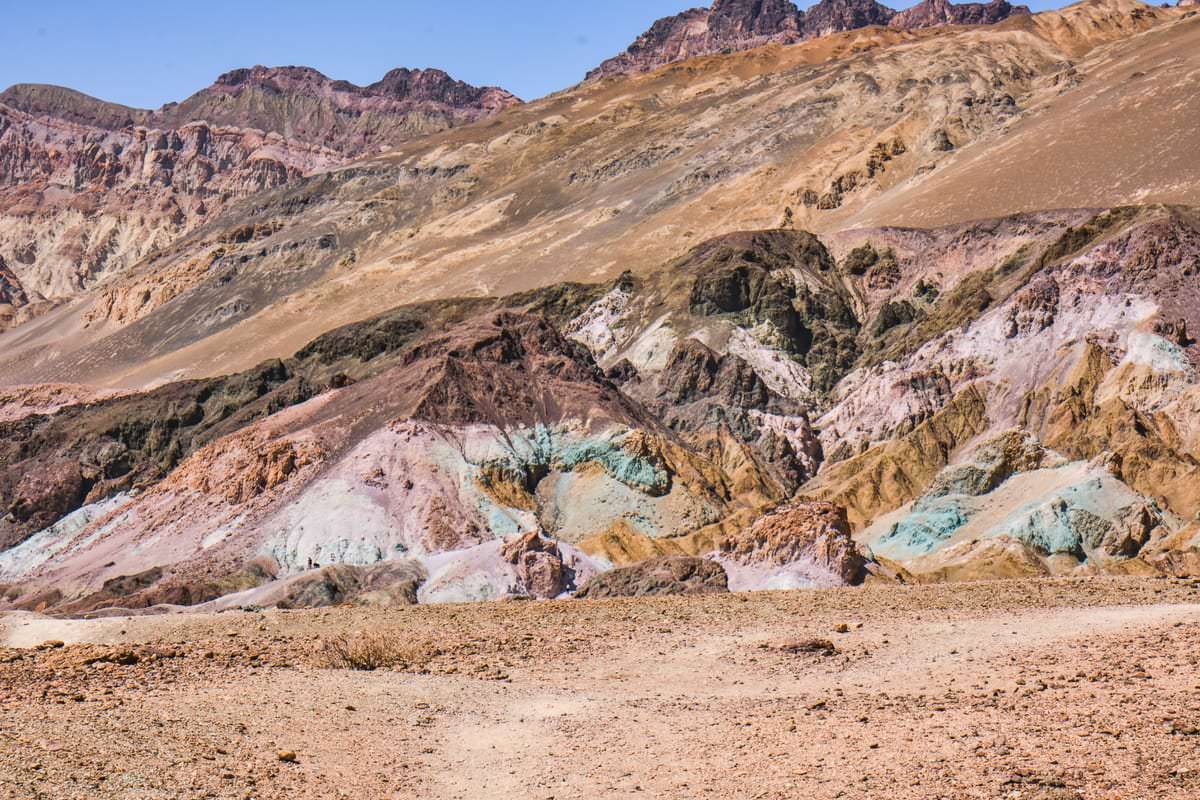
pixel 1030 689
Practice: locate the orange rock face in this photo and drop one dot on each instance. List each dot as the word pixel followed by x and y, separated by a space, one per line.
pixel 538 563
pixel 803 531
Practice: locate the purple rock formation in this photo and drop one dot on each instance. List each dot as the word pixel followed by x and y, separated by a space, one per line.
pixel 733 25
pixel 931 13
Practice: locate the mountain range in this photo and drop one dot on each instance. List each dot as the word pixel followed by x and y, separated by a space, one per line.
pixel 816 297
pixel 87 188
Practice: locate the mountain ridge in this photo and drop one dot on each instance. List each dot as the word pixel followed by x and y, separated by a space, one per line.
pixel 732 25
pixel 88 187
pixel 410 89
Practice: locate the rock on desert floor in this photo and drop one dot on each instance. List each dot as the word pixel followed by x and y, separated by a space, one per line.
pixel 1045 689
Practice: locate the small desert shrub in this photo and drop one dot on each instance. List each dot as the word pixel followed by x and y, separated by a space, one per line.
pixel 371 650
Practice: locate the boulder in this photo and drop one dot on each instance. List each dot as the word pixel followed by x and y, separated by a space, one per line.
pixel 814 534
pixel 658 576
pixel 538 563
pixel 392 583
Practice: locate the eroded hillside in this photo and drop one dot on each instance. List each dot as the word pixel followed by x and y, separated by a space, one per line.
pixel 674 332
pixel 1011 397
pixel 858 129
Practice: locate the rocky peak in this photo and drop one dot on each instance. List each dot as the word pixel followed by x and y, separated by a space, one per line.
pixel 41 100
pixel 834 16
pixel 434 85
pixel 143 177
pixel 400 84
pixel 302 102
pixel 271 76
pixel 750 18
pixel 729 25
pixel 932 13
pixel 297 102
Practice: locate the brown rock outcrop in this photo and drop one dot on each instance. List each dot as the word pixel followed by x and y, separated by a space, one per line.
pixel 538 563
pixel 659 576
pixel 813 532
pixel 932 13
pixel 392 583
pixel 732 25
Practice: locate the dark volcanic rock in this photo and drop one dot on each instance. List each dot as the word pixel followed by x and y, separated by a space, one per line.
pixel 835 16
pixel 695 372
pixel 932 13
pixel 659 576
pixel 733 25
pixel 739 19
pixel 11 291
pixel 740 274
pixel 729 25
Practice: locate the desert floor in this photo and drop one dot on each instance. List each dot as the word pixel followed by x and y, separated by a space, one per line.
pixel 1042 689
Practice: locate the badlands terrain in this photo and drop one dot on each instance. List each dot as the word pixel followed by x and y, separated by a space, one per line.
pixel 1058 690
pixel 808 398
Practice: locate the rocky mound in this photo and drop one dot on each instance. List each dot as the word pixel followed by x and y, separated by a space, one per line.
pixel 812 541
pixel 660 576
pixel 393 583
pixel 539 565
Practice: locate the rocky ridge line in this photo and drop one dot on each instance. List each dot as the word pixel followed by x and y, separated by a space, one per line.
pixel 732 25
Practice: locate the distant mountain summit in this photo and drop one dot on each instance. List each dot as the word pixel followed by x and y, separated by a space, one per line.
pixel 728 25
pixel 295 102
pixel 732 25
pixel 301 102
pixel 932 13
pixel 89 187
pixel 835 16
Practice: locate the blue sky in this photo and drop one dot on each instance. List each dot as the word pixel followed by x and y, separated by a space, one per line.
pixel 147 52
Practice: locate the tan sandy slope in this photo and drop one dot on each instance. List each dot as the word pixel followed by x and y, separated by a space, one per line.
pixel 872 126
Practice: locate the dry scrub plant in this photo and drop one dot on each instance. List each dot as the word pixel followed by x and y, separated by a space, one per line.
pixel 373 650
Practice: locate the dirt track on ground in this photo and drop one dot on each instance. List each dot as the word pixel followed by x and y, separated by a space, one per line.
pixel 1051 689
